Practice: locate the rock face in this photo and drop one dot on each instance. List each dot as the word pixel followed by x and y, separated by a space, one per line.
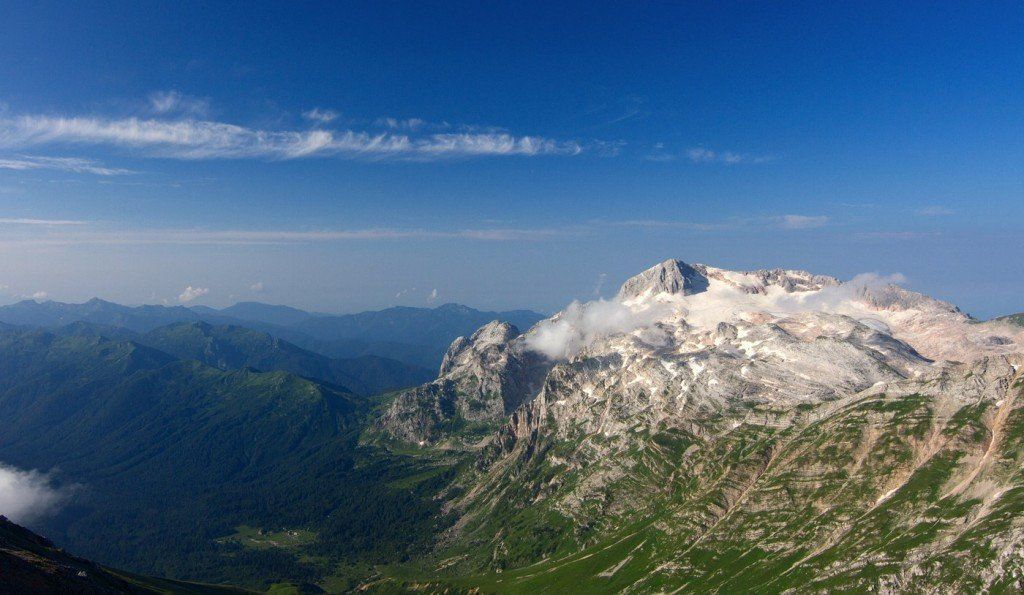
pixel 673 277
pixel 482 380
pixel 763 430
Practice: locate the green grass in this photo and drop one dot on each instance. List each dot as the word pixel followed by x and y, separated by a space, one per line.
pixel 745 511
pixel 287 539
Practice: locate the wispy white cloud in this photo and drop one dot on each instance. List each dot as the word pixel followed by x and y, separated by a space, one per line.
pixel 257 237
pixel 432 297
pixel 71 164
pixel 174 102
pixel 704 155
pixel 322 116
pixel 191 293
pixel 894 235
pixel 800 221
pixel 411 124
pixel 256 287
pixel 618 111
pixel 44 222
pixel 935 211
pixel 204 139
pixel 676 224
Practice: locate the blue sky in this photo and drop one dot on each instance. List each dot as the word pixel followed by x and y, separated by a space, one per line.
pixel 340 157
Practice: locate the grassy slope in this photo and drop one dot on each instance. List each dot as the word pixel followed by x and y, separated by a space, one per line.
pixel 234 347
pixel 1017 319
pixel 842 504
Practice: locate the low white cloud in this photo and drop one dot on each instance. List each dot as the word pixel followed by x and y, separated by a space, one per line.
pixel 322 116
pixel 833 297
pixel 203 139
pixel 28 495
pixel 191 293
pixel 800 221
pixel 600 283
pixel 174 102
pixel 432 297
pixel 69 164
pixel 576 327
pixel 256 287
pixel 40 295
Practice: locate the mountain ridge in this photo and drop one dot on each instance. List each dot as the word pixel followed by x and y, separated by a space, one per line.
pixel 417 336
pixel 232 347
pixel 730 416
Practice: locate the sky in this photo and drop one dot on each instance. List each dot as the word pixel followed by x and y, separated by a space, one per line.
pixel 348 156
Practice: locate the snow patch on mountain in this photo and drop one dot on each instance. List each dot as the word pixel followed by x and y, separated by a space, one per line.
pixel 675 299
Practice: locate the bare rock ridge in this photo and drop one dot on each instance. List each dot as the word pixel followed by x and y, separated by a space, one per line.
pixel 482 379
pixel 757 282
pixel 718 341
pixel 671 276
pixel 675 277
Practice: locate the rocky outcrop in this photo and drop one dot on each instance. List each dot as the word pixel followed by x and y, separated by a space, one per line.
pixel 482 380
pixel 758 282
pixel 673 277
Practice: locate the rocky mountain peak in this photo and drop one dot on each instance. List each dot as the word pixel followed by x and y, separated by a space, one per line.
pixel 495 332
pixel 673 277
pixel 482 379
pixel 492 338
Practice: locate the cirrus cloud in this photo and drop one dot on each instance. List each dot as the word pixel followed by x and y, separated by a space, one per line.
pixel 193 139
pixel 69 164
pixel 800 221
pixel 322 116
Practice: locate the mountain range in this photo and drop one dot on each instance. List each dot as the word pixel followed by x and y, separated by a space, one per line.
pixel 231 347
pixel 706 430
pixel 417 336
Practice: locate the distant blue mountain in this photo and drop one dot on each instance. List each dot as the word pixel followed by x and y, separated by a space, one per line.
pixel 417 336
